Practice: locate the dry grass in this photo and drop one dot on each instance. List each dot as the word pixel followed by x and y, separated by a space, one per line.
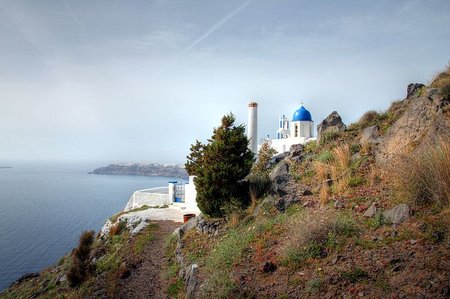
pixel 368 118
pixel 340 169
pixel 80 259
pixel 442 81
pixel 235 218
pixel 374 175
pixel 315 235
pixel 321 170
pixel 424 178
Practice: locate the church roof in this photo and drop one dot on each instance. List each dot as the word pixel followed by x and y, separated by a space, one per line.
pixel 302 115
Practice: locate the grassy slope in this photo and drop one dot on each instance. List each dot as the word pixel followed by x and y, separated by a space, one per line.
pixel 320 251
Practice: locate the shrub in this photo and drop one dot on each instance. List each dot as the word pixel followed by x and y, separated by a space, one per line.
pixel 80 259
pixel 355 148
pixel 355 181
pixel 220 167
pixel 259 185
pixel 425 178
pixel 325 157
pixel 117 228
pixel 328 137
pixel 310 147
pixel 262 165
pixel 442 81
pixel 368 118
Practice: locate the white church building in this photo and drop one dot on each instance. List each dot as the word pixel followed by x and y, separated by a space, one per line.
pixel 299 130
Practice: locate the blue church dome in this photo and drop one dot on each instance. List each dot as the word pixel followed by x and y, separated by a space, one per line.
pixel 302 115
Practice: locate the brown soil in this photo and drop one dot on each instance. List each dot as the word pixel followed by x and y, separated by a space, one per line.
pixel 146 280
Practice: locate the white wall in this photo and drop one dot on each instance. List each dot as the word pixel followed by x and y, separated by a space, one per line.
pixel 151 199
pixel 190 194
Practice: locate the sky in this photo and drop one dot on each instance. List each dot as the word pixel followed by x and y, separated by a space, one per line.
pixel 140 81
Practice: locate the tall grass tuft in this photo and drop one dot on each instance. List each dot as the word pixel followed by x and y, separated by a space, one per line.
pixel 340 169
pixel 425 178
pixel 321 170
pixel 442 81
pixel 80 259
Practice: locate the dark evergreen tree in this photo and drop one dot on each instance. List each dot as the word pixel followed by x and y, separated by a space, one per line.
pixel 219 167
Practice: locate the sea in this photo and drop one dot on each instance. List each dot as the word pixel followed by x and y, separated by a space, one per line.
pixel 44 207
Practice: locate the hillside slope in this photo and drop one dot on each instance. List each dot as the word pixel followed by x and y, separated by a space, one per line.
pixel 364 212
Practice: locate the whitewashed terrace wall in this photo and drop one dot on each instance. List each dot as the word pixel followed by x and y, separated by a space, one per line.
pixel 150 197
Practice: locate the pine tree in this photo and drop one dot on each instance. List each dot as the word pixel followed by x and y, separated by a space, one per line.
pixel 219 167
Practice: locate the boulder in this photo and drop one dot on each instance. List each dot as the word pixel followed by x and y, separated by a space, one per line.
pixel 397 214
pixel 370 135
pixel 276 159
pixel 191 280
pixel 412 88
pixel 280 178
pixel 296 152
pixel 285 202
pixel 104 231
pixel 371 211
pixel 139 228
pixel 333 123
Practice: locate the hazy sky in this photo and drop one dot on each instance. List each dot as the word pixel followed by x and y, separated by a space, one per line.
pixel 141 80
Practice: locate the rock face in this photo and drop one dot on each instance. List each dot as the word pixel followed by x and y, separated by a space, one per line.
pixel 370 135
pixel 397 214
pixel 412 88
pixel 296 152
pixel 280 178
pixel 423 122
pixel 333 123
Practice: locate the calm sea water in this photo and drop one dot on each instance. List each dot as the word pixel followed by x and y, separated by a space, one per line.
pixel 45 206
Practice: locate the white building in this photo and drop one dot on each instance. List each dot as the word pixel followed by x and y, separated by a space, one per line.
pixel 297 131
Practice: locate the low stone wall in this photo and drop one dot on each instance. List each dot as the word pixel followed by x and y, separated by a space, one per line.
pixel 150 197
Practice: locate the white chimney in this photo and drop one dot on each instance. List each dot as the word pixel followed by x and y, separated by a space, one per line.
pixel 252 127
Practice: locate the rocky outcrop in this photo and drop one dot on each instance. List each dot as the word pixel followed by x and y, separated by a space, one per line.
pixel 280 178
pixel 412 89
pixel 424 121
pixel 144 169
pixel 296 153
pixel 333 123
pixel 370 135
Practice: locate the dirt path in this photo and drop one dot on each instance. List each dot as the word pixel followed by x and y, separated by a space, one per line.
pixel 145 281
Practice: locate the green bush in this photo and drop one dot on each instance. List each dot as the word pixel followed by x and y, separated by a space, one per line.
pixel 328 137
pixel 325 157
pixel 262 165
